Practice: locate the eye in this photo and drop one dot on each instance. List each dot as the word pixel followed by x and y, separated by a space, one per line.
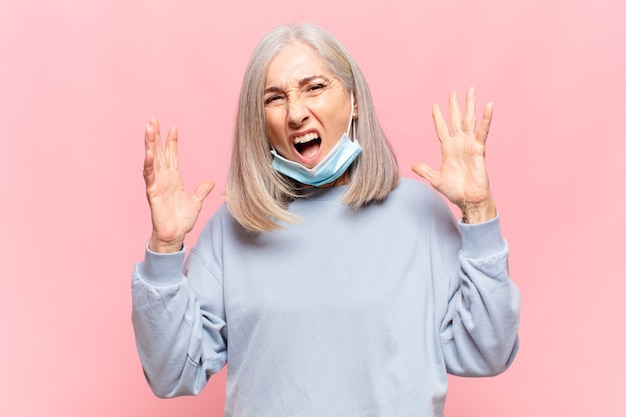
pixel 314 89
pixel 274 100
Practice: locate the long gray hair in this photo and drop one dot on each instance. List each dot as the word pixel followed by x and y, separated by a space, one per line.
pixel 257 195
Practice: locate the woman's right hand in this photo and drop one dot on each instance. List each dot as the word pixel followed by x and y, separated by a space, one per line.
pixel 174 212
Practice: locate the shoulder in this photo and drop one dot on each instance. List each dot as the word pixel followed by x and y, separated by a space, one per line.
pixel 412 185
pixel 220 223
pixel 410 191
pixel 419 200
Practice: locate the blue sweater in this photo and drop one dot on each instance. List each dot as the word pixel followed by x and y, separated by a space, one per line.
pixel 347 313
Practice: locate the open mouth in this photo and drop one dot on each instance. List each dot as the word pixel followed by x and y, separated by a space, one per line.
pixel 308 145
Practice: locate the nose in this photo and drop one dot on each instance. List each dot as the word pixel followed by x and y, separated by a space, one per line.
pixel 297 112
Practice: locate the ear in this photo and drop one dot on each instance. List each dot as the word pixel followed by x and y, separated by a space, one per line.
pixel 355 110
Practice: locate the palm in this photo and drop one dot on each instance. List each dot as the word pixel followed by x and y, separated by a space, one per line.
pixel 174 212
pixel 462 177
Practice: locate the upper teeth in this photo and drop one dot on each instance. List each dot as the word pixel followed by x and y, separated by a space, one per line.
pixel 307 137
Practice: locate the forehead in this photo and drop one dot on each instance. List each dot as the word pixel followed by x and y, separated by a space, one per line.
pixel 295 63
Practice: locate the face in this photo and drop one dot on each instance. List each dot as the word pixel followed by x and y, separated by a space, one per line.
pixel 306 108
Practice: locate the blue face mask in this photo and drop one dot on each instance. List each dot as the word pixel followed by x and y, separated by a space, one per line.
pixel 328 169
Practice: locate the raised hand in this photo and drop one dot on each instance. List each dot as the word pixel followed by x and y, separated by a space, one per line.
pixel 462 177
pixel 174 212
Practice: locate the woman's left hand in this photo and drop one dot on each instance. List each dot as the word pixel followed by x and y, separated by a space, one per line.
pixel 462 177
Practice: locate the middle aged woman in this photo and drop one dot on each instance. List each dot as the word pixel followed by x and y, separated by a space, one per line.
pixel 330 286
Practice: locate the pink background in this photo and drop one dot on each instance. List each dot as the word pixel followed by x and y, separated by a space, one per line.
pixel 79 79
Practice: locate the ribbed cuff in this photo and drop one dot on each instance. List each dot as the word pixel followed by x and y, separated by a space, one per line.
pixel 162 269
pixel 482 240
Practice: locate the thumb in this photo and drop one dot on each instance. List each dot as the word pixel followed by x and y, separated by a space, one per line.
pixel 202 190
pixel 425 171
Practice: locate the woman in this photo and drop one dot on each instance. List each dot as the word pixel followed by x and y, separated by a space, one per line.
pixel 328 285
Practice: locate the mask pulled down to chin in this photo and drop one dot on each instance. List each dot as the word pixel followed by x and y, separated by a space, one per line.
pixel 327 170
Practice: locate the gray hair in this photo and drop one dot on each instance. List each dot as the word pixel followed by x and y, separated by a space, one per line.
pixel 257 195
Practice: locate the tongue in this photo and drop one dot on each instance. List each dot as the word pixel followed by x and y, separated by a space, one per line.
pixel 310 149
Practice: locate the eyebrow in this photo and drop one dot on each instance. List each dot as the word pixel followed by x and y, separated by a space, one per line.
pixel 300 84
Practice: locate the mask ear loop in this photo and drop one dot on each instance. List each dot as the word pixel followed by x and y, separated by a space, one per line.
pixel 351 120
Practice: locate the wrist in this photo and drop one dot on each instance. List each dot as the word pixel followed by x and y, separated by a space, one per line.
pixel 159 246
pixel 479 212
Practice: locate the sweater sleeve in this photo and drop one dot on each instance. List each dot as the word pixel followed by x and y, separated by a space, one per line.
pixel 479 331
pixel 178 318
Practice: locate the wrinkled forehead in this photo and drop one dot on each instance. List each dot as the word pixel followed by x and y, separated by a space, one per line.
pixel 294 63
